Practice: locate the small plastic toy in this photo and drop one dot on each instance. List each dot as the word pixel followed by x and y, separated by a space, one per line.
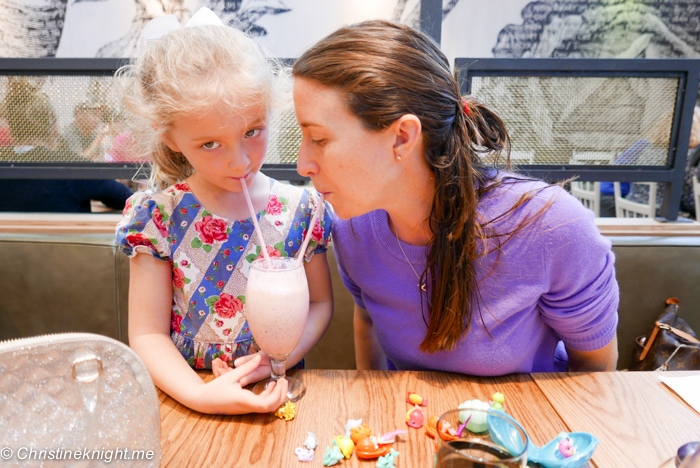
pixel 566 447
pixel 345 444
pixel 416 399
pixel 431 426
pixel 462 426
pixel 477 423
pixel 446 430
pixel 360 432
pixel 388 438
pixel 387 461
pixel 286 411
pixel 304 455
pixel 332 455
pixel 368 449
pixel 414 418
pixel 352 423
pixel 497 401
pixel 310 442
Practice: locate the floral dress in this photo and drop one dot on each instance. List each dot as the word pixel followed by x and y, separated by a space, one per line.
pixel 211 258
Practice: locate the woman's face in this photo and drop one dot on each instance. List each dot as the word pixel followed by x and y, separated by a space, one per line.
pixel 350 165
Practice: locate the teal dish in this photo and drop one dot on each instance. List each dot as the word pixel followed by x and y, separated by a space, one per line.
pixel 549 455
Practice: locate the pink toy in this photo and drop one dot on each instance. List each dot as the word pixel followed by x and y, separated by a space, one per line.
pixel 414 418
pixel 388 438
pixel 566 448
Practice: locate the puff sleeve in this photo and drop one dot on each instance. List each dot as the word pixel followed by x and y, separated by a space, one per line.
pixel 321 233
pixel 144 228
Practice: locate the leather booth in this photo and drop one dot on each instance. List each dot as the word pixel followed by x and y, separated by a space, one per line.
pixel 53 282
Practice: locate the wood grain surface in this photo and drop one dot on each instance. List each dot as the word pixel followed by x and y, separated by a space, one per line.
pixel 379 398
pixel 639 420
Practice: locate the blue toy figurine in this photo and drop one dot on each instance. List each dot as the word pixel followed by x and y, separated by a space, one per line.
pixel 332 455
pixel 387 461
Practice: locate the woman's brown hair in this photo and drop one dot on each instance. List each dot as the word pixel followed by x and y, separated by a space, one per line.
pixel 386 70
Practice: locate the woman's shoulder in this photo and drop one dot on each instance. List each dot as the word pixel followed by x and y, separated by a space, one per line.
pixel 520 197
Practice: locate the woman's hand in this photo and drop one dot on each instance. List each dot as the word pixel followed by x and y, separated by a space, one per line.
pixel 262 371
pixel 226 395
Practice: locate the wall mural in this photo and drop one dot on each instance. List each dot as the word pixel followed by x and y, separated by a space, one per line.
pixel 574 28
pixel 34 29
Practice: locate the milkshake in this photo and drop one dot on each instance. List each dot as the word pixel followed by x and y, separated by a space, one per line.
pixel 276 307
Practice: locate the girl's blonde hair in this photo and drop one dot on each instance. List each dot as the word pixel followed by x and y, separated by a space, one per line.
pixel 186 72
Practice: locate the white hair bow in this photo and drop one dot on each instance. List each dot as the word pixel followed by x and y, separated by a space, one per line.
pixel 158 27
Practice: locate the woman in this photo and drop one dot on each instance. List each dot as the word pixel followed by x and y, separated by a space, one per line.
pixel 453 266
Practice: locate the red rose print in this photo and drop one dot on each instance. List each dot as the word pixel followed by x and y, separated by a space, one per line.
pixel 183 211
pixel 158 221
pixel 199 363
pixel 227 332
pixel 227 306
pixel 219 323
pixel 175 322
pixel 278 223
pixel 183 187
pixel 271 251
pixel 178 278
pixel 317 233
pixel 227 252
pixel 211 229
pixel 274 206
pixel 220 284
pixel 184 263
pixel 216 263
pixel 139 239
pixel 127 207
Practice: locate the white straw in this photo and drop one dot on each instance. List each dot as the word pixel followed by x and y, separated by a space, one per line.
pixel 309 230
pixel 263 247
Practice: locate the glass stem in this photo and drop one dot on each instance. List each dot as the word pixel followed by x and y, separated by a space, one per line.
pixel 279 367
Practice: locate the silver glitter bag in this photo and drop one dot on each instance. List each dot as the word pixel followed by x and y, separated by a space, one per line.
pixel 76 399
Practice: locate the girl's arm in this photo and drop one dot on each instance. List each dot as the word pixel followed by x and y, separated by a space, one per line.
pixel 318 276
pixel 603 359
pixel 368 353
pixel 150 301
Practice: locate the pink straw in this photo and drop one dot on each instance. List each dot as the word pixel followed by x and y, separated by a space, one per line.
pixel 309 230
pixel 255 223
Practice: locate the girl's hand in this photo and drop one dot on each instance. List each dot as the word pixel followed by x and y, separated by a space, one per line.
pixel 225 394
pixel 262 372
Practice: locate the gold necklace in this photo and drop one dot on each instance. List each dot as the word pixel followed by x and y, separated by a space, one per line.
pixel 420 285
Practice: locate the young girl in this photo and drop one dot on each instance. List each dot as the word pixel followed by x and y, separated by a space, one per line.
pixel 201 98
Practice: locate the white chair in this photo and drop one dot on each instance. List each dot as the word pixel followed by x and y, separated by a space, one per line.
pixel 592 157
pixel 625 208
pixel 696 196
pixel 588 193
pixel 522 157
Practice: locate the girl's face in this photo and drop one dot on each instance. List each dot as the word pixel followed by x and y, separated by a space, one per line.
pixel 222 147
pixel 350 165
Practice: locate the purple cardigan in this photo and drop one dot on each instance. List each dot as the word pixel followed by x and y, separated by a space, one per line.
pixel 554 281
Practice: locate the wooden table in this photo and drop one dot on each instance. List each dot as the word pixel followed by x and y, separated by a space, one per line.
pixel 639 421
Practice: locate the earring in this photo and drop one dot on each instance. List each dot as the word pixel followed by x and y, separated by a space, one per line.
pixel 398 158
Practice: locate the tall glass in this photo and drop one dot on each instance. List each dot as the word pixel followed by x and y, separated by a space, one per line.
pixel 277 307
pixel 488 440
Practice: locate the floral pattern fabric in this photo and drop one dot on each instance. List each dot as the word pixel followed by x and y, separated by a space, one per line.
pixel 211 258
